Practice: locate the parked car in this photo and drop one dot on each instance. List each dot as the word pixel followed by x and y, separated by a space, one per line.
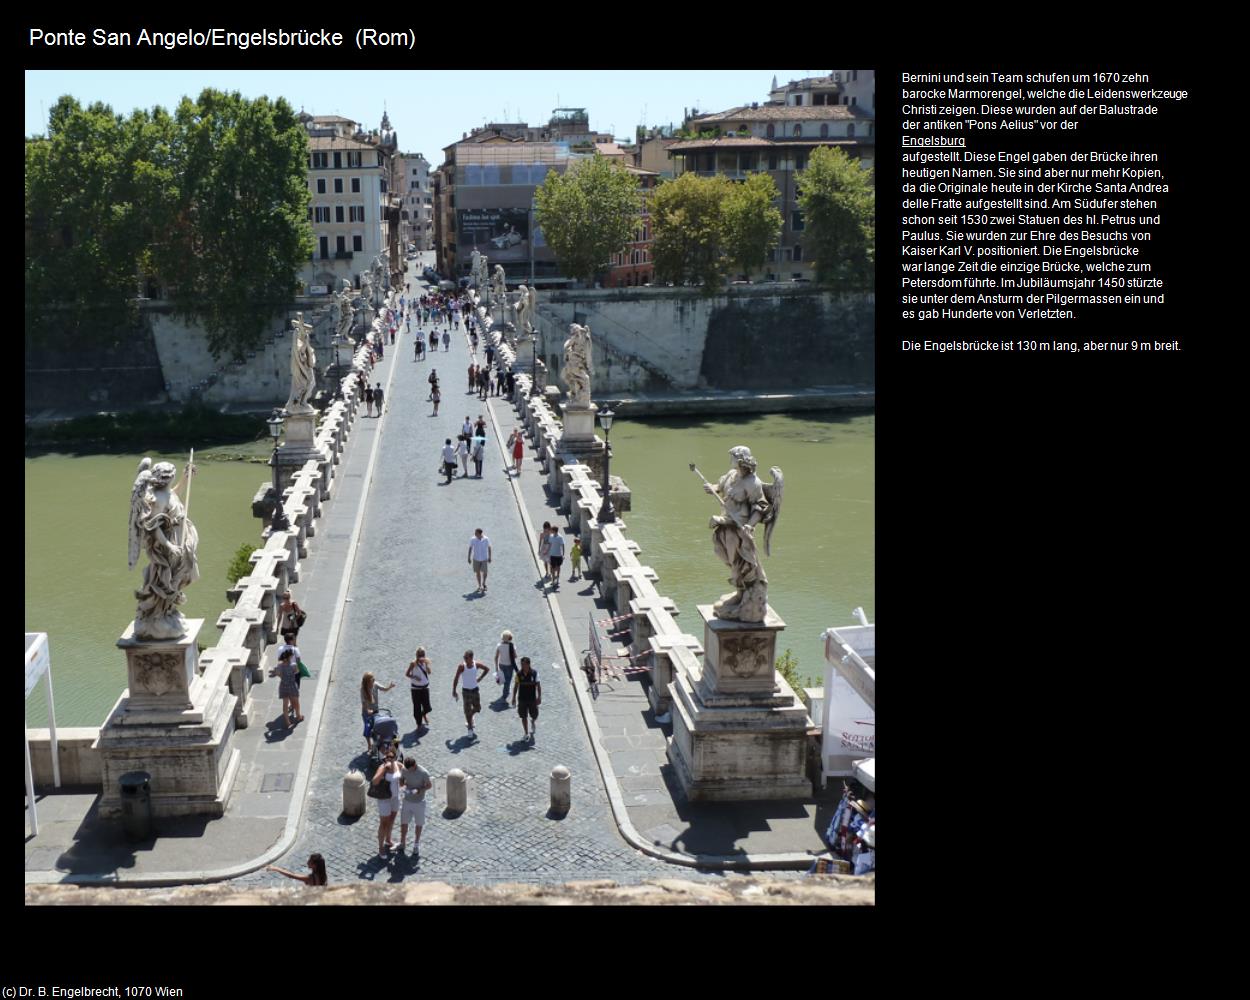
pixel 505 240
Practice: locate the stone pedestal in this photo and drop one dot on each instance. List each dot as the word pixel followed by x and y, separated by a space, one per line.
pixel 300 430
pixel 579 424
pixel 173 722
pixel 739 732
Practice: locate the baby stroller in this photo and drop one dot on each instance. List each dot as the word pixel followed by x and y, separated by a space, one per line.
pixel 384 732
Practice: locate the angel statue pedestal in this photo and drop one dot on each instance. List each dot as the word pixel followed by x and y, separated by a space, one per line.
pixel 739 732
pixel 173 722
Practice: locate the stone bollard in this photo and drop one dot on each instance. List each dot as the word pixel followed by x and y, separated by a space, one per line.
pixel 561 789
pixel 353 794
pixel 457 791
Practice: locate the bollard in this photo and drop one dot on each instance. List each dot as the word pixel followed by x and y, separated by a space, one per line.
pixel 561 789
pixel 136 794
pixel 353 794
pixel 457 791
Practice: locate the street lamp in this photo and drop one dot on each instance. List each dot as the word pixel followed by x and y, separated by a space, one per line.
pixel 534 348
pixel 279 521
pixel 607 514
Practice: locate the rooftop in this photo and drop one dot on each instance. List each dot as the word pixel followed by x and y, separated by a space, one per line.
pixel 774 112
pixel 336 142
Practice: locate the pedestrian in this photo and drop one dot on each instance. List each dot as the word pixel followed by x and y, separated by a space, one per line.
pixel 433 339
pixel 418 674
pixel 288 642
pixel 510 382
pixel 575 557
pixel 389 772
pixel 433 379
pixel 416 782
pixel 377 398
pixel 291 616
pixel 467 427
pixel 416 347
pixel 436 396
pixel 446 340
pixel 462 453
pixel 505 664
pixel 544 548
pixel 287 671
pixel 469 669
pixel 527 696
pixel 380 346
pixel 448 459
pixel 479 427
pixel 369 689
pixel 480 556
pixel 317 871
pixel 555 555
pixel 479 454
pixel 517 443
pixel 368 400
pixel 499 381
pixel 472 377
pixel 490 355
pixel 483 383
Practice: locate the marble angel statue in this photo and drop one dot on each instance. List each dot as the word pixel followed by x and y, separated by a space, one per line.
pixel 160 526
pixel 747 502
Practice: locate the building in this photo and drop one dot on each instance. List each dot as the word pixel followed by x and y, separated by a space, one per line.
pixel 483 194
pixel 634 266
pixel 777 137
pixel 353 215
pixel 417 213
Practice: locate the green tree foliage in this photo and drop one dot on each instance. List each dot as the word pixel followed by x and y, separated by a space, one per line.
pixel 839 207
pixel 688 230
pixel 788 667
pixel 213 201
pixel 240 563
pixel 587 214
pixel 752 223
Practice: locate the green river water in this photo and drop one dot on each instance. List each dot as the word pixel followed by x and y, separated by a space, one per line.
pixel 79 590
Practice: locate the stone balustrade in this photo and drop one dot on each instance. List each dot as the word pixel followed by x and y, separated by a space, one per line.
pixel 630 586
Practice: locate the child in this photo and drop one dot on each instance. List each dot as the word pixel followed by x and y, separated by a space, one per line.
pixel 575 557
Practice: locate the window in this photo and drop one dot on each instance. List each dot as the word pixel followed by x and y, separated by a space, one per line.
pixel 319 161
pixel 798 130
pixel 854 75
pixel 338 214
pixel 338 160
pixel 850 131
pixel 355 185
pixel 824 131
pixel 798 100
pixel 785 253
pixel 310 213
pixel 798 252
pixel 340 244
pixel 854 101
pixel 772 131
pixel 796 221
pixel 800 161
pixel 338 185
pixel 321 213
pixel 382 182
pixel 357 213
pixel 772 255
pixel 321 185
pixel 358 243
pixel 325 246
pixel 772 159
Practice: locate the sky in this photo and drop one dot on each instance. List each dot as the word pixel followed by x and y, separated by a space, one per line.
pixel 429 109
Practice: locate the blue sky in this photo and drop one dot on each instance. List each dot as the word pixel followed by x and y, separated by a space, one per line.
pixel 430 109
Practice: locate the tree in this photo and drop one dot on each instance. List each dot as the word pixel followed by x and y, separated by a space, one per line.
pixel 587 214
pixel 236 231
pixel 838 203
pixel 752 223
pixel 688 230
pixel 213 201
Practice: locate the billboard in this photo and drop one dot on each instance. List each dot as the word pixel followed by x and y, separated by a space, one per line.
pixel 500 233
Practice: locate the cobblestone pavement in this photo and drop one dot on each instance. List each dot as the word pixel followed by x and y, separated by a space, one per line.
pixel 413 586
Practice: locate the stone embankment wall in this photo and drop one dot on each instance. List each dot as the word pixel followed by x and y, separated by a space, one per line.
pixel 826 890
pixel 249 625
pixel 765 337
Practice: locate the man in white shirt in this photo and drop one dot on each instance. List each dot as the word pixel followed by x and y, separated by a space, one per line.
pixel 480 557
pixel 555 555
pixel 469 677
pixel 449 461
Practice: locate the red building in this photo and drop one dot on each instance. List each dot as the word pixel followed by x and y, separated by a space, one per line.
pixel 633 265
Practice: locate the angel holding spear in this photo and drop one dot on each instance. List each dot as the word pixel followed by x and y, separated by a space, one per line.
pixel 747 502
pixel 159 523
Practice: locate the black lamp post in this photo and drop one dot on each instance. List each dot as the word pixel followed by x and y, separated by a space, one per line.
pixel 534 364
pixel 607 514
pixel 279 521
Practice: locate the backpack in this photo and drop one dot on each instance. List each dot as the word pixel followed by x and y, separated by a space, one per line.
pixel 300 617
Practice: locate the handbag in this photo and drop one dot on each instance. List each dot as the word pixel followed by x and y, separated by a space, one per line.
pixel 303 670
pixel 380 790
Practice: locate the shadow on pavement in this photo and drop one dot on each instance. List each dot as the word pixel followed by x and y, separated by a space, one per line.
pixel 520 746
pixel 276 731
pixel 463 743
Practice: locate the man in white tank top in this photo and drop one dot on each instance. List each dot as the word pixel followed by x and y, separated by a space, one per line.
pixel 472 671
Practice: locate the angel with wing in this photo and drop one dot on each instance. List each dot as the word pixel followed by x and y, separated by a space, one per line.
pixel 159 524
pixel 748 502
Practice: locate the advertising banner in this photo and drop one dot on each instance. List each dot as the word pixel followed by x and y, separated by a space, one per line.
pixel 500 233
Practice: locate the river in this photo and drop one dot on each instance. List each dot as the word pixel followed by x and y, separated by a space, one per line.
pixel 822 565
pixel 79 590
